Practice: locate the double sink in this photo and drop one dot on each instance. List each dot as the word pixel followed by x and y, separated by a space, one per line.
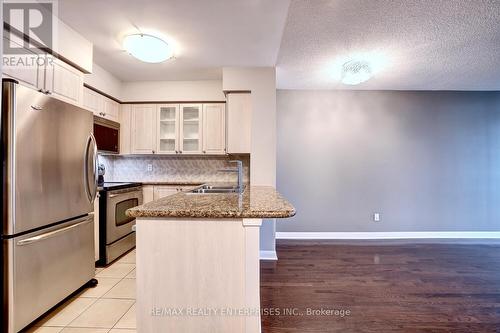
pixel 209 189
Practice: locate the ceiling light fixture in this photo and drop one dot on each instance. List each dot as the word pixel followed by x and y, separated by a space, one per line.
pixel 355 72
pixel 148 48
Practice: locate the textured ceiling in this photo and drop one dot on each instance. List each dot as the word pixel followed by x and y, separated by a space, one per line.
pixel 209 34
pixel 413 45
pixel 417 45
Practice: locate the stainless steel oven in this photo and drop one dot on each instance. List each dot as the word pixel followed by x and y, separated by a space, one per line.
pixel 116 234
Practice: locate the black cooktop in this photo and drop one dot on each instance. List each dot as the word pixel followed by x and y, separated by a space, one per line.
pixel 107 186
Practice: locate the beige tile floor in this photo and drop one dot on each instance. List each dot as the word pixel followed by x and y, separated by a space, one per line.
pixel 109 307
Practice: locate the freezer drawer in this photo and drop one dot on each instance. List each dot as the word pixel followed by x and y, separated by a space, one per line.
pixel 47 266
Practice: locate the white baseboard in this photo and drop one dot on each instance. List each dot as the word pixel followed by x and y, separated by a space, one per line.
pixel 268 255
pixel 390 235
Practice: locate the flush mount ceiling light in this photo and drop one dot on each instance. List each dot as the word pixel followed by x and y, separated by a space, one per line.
pixel 148 48
pixel 355 72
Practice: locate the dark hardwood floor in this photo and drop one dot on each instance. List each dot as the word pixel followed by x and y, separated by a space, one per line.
pixel 385 288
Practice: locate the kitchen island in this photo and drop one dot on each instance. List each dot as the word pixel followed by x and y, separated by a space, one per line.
pixel 198 260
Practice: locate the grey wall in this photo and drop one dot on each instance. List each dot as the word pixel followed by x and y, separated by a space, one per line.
pixel 427 161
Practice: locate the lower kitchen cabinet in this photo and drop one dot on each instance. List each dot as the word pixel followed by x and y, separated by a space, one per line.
pixel 155 192
pixel 164 191
pixel 147 193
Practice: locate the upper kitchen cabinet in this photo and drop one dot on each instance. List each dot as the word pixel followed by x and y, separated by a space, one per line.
pixel 56 70
pixel 191 128
pixel 125 117
pixel 92 101
pixel 168 129
pixel 214 128
pixel 174 128
pixel 31 75
pixel 143 129
pixel 75 48
pixel 239 122
pixel 111 109
pixel 100 105
pixel 63 81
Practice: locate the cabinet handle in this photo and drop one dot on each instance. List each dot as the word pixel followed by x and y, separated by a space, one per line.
pixel 204 152
pixel 180 151
pixel 46 92
pixel 153 151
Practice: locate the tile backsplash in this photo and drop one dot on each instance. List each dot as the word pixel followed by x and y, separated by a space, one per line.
pixel 172 168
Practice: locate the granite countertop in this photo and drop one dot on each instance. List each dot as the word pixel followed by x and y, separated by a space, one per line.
pixel 255 202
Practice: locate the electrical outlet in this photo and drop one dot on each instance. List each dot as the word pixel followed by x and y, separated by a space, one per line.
pixel 150 167
pixel 376 217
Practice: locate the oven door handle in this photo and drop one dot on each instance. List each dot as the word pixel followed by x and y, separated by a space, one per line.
pixel 118 194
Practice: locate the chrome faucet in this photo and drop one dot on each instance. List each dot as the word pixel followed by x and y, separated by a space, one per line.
pixel 239 170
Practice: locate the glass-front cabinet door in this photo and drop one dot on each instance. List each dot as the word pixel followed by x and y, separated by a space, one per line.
pixel 168 129
pixel 190 123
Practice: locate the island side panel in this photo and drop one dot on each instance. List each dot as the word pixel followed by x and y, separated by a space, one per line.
pixel 195 264
pixel 252 272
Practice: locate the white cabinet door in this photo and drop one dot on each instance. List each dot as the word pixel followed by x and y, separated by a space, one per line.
pixel 111 109
pixel 164 191
pixel 168 129
pixel 147 193
pixel 125 128
pixel 239 122
pixel 27 68
pixel 214 129
pixel 92 101
pixel 143 139
pixel 63 81
pixel 190 122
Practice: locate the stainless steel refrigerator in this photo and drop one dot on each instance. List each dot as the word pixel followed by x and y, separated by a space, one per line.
pixel 49 181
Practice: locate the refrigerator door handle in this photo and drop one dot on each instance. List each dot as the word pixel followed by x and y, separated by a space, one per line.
pixel 95 167
pixel 50 234
pixel 91 192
